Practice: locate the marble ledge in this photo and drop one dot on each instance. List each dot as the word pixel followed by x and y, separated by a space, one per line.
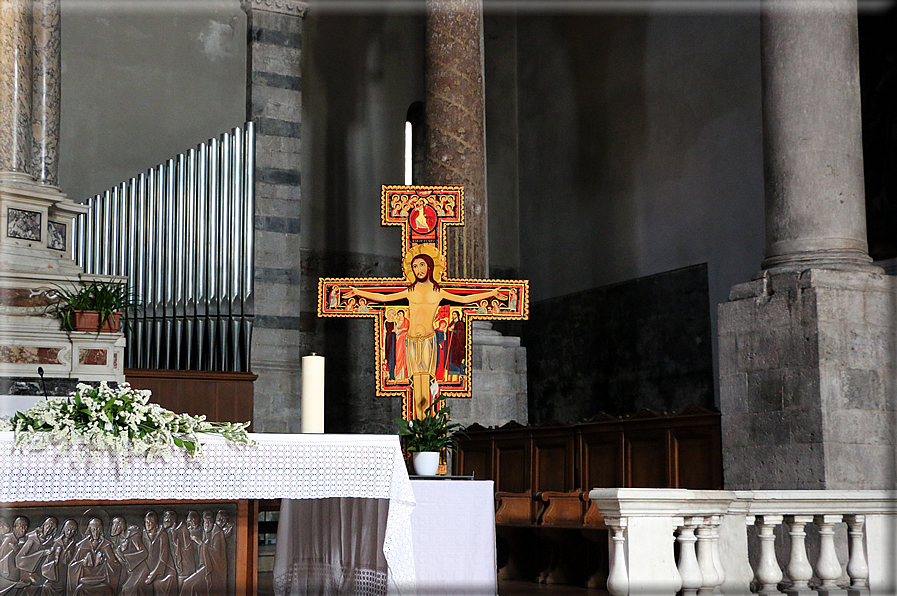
pixel 287 7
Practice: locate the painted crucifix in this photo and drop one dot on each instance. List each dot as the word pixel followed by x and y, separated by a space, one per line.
pixel 422 320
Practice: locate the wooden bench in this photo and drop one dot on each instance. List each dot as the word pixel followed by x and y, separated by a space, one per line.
pixel 546 524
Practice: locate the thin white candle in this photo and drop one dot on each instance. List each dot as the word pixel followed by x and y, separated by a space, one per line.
pixel 312 394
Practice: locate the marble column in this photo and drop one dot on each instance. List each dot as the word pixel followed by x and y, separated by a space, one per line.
pixel 46 92
pixel 813 155
pixel 274 104
pixel 807 350
pixel 455 124
pixel 15 90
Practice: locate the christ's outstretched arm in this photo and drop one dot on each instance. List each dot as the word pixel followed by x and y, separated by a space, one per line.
pixel 376 296
pixel 469 298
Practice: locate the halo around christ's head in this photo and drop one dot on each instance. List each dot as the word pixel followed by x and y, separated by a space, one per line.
pixel 429 250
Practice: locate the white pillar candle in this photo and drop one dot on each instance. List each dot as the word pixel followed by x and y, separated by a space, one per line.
pixel 312 394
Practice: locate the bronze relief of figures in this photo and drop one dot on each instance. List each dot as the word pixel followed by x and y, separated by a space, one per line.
pixel 93 556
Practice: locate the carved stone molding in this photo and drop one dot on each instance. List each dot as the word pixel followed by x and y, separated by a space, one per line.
pixel 287 7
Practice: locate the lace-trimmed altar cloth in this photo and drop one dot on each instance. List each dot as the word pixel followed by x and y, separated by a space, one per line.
pixel 308 466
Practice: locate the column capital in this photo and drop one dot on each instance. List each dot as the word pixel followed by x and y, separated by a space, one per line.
pixel 292 8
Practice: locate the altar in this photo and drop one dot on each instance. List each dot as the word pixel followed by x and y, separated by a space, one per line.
pixel 359 472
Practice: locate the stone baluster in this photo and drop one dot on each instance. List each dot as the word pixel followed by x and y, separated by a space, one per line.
pixel 708 566
pixel 857 568
pixel 617 575
pixel 714 522
pixel 828 569
pixel 799 569
pixel 768 572
pixel 689 569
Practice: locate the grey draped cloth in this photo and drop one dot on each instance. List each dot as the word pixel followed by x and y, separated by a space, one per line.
pixel 330 547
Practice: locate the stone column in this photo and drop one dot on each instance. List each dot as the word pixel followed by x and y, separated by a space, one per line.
pixel 15 90
pixel 274 104
pixel 807 350
pixel 46 96
pixel 813 152
pixel 455 124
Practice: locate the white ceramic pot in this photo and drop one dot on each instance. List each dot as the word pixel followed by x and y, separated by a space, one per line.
pixel 425 462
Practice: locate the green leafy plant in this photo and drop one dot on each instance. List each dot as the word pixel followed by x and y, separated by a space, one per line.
pixel 118 420
pixel 104 297
pixel 433 432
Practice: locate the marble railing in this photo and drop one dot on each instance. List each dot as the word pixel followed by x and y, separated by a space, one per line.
pixel 750 542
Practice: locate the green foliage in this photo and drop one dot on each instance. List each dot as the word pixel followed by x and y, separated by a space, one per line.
pixel 433 432
pixel 118 420
pixel 104 297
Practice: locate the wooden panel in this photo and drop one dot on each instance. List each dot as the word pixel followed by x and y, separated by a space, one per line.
pixel 553 462
pixel 474 457
pixel 601 459
pixel 650 452
pixel 648 456
pixel 698 457
pixel 512 466
pixel 219 396
pixel 247 547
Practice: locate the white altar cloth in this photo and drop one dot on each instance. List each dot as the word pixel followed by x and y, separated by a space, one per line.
pixel 453 526
pixel 309 466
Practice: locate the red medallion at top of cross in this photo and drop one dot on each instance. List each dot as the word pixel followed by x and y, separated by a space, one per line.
pixel 422 320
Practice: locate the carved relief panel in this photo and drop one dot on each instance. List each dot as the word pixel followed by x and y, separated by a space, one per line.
pixel 143 550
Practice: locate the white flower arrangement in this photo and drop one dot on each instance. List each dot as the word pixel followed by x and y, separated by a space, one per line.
pixel 119 421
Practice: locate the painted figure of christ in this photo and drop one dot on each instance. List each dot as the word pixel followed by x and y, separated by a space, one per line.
pixel 424 296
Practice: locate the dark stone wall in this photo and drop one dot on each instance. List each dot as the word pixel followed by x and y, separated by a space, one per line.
pixel 643 343
pixel 352 405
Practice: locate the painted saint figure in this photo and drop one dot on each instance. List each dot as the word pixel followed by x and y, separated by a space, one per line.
pixel 389 340
pixel 424 295
pixel 457 344
pixel 401 330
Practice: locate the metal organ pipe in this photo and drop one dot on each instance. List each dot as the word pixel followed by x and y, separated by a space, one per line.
pixel 183 234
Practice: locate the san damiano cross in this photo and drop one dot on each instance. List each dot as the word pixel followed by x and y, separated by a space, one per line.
pixel 422 320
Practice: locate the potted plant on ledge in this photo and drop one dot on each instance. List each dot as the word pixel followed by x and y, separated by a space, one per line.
pixel 425 438
pixel 94 307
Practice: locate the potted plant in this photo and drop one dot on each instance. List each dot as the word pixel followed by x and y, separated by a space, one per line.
pixel 426 437
pixel 94 307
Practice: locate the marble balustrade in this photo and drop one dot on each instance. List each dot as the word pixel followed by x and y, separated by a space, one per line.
pixel 801 543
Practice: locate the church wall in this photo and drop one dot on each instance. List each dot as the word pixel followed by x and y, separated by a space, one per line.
pixel 640 150
pixel 360 75
pixel 647 347
pixel 500 43
pixel 140 86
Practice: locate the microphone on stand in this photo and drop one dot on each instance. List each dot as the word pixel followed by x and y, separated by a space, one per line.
pixel 40 372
